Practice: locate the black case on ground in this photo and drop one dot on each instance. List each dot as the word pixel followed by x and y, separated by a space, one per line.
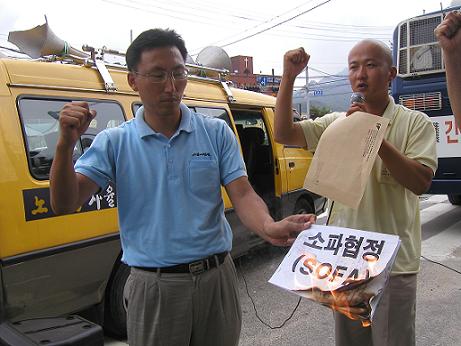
pixel 71 330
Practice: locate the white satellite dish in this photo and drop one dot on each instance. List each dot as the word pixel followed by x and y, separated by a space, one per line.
pixel 214 57
pixel 190 60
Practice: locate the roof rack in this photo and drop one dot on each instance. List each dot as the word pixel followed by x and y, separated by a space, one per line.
pixel 51 48
pixel 216 75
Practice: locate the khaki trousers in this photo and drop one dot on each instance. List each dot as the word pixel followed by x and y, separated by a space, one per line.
pixel 393 322
pixel 183 309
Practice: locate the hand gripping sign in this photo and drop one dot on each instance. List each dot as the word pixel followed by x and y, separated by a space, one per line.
pixel 342 268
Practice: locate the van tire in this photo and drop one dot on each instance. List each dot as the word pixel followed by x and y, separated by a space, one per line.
pixel 455 199
pixel 303 206
pixel 114 311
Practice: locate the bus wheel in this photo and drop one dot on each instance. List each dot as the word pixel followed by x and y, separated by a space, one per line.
pixel 303 206
pixel 455 199
pixel 114 310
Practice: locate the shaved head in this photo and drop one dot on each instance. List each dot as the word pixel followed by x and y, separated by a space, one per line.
pixel 370 72
pixel 379 46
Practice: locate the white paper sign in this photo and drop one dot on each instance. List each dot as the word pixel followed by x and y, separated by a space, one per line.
pixel 328 259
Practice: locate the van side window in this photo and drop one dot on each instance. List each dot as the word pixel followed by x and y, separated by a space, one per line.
pixel 134 107
pixel 39 119
pixel 220 113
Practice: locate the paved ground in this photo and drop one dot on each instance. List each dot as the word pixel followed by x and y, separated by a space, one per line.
pixel 439 290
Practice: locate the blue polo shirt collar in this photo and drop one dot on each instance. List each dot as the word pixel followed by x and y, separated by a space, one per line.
pixel 145 130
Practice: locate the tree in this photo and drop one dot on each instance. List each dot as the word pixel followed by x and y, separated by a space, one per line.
pixel 317 112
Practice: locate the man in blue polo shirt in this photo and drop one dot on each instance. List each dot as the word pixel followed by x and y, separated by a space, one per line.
pixel 168 165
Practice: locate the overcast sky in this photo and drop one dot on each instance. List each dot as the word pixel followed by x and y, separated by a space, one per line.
pixel 326 29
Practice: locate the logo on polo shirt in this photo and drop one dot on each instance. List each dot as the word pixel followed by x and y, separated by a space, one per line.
pixel 201 154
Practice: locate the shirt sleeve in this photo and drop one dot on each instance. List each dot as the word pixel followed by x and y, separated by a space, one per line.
pixel 313 129
pixel 231 164
pixel 97 162
pixel 421 145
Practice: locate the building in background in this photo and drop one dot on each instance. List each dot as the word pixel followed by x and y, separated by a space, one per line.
pixel 243 77
pixel 330 92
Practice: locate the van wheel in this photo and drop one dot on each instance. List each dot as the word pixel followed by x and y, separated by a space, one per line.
pixel 114 310
pixel 303 206
pixel 455 199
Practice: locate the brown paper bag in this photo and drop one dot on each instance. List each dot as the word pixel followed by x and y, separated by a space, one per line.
pixel 345 156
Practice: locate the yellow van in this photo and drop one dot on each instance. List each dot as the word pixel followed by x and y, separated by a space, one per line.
pixel 55 265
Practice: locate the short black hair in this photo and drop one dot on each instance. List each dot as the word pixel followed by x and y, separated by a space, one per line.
pixel 153 38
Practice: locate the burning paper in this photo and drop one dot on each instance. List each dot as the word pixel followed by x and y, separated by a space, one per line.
pixel 342 268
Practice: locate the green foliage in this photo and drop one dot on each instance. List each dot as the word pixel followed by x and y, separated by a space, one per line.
pixel 317 112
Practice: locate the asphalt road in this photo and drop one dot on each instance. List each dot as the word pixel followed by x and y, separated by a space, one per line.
pixel 266 307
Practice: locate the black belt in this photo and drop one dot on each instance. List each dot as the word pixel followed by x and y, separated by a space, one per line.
pixel 195 268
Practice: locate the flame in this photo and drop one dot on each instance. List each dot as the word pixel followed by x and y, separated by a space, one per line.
pixel 346 296
pixel 343 302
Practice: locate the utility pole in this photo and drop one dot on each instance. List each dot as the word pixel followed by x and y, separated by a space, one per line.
pixel 308 111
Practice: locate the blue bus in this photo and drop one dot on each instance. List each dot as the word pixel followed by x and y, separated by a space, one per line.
pixel 421 85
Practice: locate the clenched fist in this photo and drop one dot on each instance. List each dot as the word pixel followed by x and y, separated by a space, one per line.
pixel 294 61
pixel 74 120
pixel 448 32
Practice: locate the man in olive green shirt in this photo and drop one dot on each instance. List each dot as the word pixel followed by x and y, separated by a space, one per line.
pixel 403 170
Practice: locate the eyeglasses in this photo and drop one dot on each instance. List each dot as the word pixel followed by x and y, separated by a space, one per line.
pixel 162 76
